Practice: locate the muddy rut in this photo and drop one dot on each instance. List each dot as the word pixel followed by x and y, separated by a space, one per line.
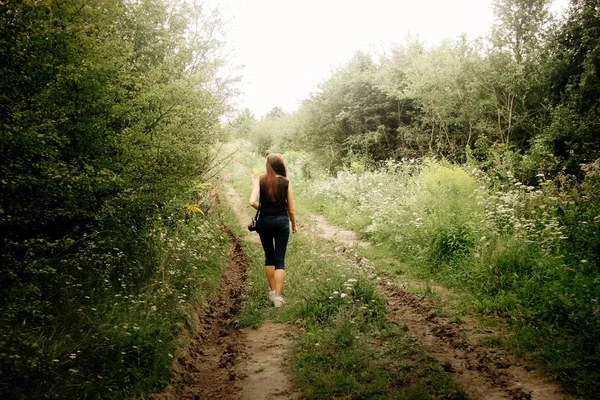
pixel 207 367
pixel 483 372
pixel 220 361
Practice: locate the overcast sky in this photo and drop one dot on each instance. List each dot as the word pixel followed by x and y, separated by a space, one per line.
pixel 287 48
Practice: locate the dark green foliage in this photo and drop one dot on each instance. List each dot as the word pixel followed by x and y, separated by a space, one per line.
pixel 351 116
pixel 574 87
pixel 104 122
pixel 532 93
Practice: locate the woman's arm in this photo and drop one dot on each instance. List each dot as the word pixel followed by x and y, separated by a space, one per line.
pixel 290 201
pixel 255 192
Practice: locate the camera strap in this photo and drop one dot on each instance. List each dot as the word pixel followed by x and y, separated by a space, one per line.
pixel 257 210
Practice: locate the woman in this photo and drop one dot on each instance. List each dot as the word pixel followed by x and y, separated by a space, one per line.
pixel 276 211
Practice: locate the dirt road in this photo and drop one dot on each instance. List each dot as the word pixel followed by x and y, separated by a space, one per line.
pixel 223 362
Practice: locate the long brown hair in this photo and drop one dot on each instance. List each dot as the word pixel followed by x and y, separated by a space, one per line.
pixel 275 166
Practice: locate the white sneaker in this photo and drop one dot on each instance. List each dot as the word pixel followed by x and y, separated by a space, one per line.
pixel 278 301
pixel 272 295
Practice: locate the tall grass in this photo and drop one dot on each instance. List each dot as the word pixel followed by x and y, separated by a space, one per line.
pixel 530 254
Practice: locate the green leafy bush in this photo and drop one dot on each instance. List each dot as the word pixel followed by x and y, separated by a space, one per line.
pixel 106 126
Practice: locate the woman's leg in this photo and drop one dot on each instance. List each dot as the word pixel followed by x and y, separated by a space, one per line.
pixel 278 278
pixel 267 241
pixel 270 273
pixel 281 238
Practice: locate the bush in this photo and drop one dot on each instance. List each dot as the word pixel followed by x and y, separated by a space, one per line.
pixel 105 128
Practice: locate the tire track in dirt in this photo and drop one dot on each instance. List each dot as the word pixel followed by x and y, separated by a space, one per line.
pixel 483 372
pixel 220 361
pixel 207 367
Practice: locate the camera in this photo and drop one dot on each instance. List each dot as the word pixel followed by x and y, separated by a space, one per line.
pixel 252 226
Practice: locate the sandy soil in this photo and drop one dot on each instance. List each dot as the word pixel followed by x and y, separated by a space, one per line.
pixel 334 234
pixel 264 363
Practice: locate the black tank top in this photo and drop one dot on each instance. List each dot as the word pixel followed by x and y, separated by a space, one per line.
pixel 279 206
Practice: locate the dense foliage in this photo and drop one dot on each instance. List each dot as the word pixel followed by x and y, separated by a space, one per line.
pixel 108 109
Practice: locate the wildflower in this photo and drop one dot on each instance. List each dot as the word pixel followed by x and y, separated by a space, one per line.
pixel 73 356
pixel 170 355
pixel 194 209
pixel 343 295
pixel 99 377
pixel 55 360
pixel 352 280
pixel 584 261
pixel 153 308
pixel 336 292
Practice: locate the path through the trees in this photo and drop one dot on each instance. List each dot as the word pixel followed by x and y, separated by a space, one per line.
pixel 223 362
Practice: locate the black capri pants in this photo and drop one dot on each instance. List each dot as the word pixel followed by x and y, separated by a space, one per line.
pixel 274 232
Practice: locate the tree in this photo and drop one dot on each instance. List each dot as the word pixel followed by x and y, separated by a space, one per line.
pixel 520 28
pixel 351 114
pixel 573 79
pixel 517 41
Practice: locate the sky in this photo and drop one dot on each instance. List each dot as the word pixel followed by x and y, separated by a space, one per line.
pixel 285 49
